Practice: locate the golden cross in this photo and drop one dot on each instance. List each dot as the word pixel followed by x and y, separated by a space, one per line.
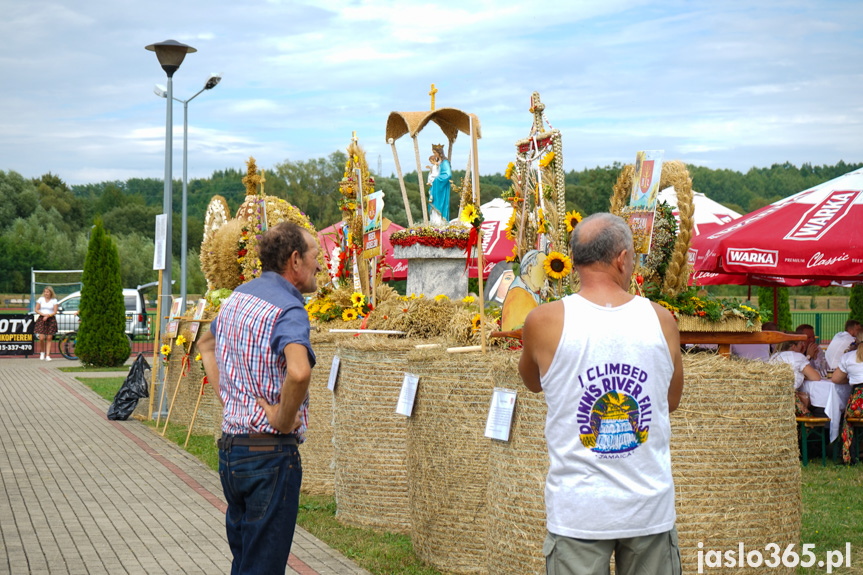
pixel 432 93
pixel 354 136
pixel 263 180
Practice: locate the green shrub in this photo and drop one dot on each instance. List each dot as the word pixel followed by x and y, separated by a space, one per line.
pixel 102 334
pixel 855 303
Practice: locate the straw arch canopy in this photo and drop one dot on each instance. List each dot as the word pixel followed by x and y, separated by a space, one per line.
pixel 450 120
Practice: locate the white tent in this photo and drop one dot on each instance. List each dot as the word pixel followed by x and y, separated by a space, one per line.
pixel 708 213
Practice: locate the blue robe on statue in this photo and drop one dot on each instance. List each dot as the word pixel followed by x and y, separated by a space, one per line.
pixel 439 193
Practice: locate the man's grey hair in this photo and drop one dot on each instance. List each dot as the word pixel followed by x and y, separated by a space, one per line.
pixel 610 237
pixel 530 260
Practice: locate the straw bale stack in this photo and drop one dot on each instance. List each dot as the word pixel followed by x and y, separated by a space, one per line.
pixel 734 459
pixel 369 436
pixel 317 452
pixel 516 488
pixel 209 418
pixel 447 458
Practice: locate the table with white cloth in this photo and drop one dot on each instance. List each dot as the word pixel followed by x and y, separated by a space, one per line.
pixel 833 397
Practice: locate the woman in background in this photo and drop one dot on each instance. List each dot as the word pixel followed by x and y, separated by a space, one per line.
pixel 46 325
pixel 850 370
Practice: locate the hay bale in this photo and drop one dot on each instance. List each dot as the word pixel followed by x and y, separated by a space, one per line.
pixel 369 436
pixel 734 460
pixel 447 458
pixel 317 451
pixel 516 488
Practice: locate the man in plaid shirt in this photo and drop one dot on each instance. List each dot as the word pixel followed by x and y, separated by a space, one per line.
pixel 258 355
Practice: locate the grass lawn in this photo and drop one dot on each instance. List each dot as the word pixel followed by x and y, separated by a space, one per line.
pixel 93 369
pixel 832 509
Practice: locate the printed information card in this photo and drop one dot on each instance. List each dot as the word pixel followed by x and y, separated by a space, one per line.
pixel 407 395
pixel 500 414
pixel 334 373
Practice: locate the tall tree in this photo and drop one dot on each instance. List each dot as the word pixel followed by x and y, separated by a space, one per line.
pixel 855 303
pixel 102 333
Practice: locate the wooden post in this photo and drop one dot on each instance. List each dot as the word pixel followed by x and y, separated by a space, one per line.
pixel 176 389
pixel 392 144
pixel 156 341
pixel 362 263
pixel 420 181
pixel 194 414
pixel 479 262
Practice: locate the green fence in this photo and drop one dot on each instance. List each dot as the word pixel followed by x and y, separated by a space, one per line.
pixel 826 323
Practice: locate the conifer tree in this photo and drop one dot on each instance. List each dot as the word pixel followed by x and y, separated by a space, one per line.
pixel 102 334
pixel 765 304
pixel 855 303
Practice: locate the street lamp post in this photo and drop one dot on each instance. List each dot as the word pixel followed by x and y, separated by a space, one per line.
pixel 170 54
pixel 211 83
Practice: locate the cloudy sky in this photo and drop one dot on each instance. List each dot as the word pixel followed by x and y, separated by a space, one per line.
pixel 721 84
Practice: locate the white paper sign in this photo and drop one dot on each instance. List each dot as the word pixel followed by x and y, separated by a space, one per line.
pixel 500 414
pixel 407 395
pixel 161 239
pixel 334 373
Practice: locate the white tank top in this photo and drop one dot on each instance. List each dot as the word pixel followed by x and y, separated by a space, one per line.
pixel 607 427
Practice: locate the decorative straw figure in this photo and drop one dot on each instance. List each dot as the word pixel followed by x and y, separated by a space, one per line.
pixel 440 187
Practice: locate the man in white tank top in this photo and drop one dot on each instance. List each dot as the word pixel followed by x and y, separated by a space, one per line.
pixel 610 366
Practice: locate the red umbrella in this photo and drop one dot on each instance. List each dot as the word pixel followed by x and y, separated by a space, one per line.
pixel 329 241
pixel 814 235
pixel 495 245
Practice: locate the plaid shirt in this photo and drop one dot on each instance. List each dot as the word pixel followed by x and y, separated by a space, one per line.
pixel 252 329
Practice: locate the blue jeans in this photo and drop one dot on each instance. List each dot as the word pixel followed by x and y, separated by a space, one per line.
pixel 263 493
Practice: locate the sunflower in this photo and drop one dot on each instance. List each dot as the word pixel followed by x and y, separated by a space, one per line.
pixel 475 322
pixel 572 219
pixel 557 265
pixel 326 307
pixel 166 350
pixel 508 173
pixel 181 340
pixel 349 314
pixel 469 299
pixel 358 299
pixel 546 160
pixel 510 233
pixel 468 214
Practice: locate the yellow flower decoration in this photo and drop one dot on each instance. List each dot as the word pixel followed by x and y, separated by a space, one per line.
pixel 166 350
pixel 198 357
pixel 510 224
pixel 546 160
pixel 441 297
pixel 349 314
pixel 358 299
pixel 572 219
pixel 468 214
pixel 468 299
pixel 181 340
pixel 476 322
pixel 557 265
pixel 326 307
pixel 312 307
pixel 509 169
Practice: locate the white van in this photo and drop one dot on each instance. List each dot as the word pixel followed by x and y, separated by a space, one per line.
pixel 136 313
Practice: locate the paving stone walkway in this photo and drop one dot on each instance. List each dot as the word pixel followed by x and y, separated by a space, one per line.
pixel 82 494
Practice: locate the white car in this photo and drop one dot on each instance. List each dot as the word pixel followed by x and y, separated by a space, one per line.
pixel 136 313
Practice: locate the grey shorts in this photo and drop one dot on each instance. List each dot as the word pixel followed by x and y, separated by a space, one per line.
pixel 648 555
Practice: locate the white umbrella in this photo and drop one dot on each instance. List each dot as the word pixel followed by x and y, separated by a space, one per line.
pixel 707 215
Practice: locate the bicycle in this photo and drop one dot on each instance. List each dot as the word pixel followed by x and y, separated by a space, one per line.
pixel 67 345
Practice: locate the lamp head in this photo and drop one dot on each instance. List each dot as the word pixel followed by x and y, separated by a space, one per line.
pixel 212 81
pixel 170 54
pixel 160 91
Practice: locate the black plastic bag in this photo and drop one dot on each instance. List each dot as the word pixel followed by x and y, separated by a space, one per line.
pixel 133 389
